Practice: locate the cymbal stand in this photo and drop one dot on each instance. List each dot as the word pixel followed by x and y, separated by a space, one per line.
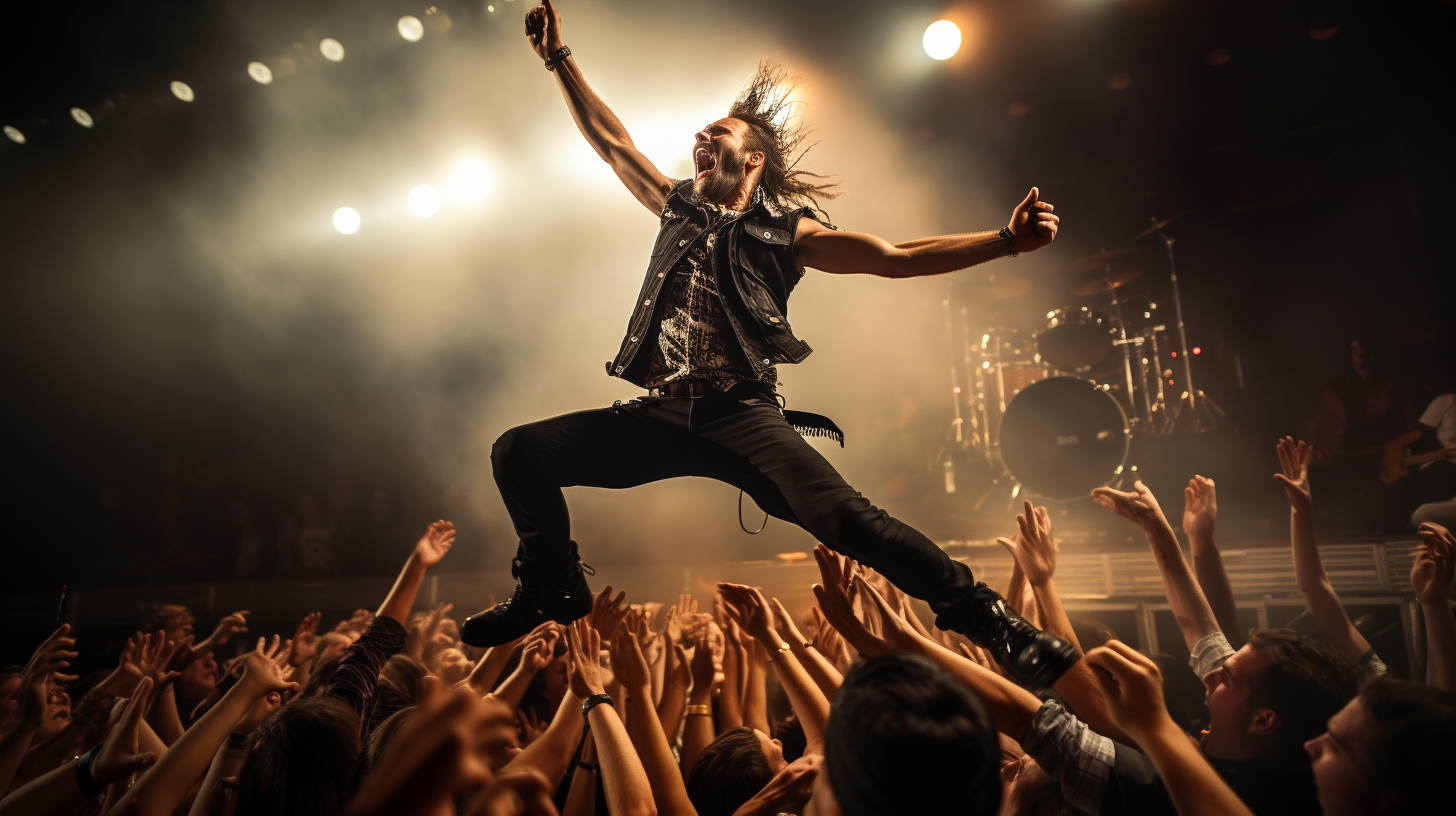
pixel 1158 410
pixel 1124 344
pixel 976 400
pixel 955 386
pixel 1202 414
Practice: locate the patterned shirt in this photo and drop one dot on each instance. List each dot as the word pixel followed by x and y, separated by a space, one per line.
pixel 695 341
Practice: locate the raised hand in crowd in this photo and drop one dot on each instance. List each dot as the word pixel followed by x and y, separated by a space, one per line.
pixel 1309 571
pixel 1133 688
pixel 229 627
pixel 442 753
pixel 439 537
pixel 65 789
pixel 1190 606
pixel 625 781
pixel 37 697
pixel 607 612
pixel 354 626
pixel 789 790
pixel 1200 515
pixel 1431 577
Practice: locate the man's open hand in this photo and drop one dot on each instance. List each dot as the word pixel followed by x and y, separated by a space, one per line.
pixel 1032 224
pixel 543 29
pixel 1200 507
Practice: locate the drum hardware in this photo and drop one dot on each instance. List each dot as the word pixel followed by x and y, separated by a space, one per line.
pixel 1098 261
pixel 1075 339
pixel 1107 282
pixel 1195 410
pixel 997 288
pixel 1158 225
pixel 1062 437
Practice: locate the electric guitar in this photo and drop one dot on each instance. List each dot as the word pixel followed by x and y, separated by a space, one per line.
pixel 1397 459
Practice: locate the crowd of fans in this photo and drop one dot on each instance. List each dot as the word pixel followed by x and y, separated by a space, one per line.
pixel 734 705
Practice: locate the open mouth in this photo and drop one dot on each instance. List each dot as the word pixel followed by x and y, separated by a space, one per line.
pixel 704 162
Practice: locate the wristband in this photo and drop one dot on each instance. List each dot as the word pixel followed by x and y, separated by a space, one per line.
pixel 556 57
pixel 593 701
pixel 84 780
pixel 705 710
pixel 1005 235
pixel 588 766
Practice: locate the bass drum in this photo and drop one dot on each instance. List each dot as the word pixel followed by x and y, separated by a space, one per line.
pixel 1062 437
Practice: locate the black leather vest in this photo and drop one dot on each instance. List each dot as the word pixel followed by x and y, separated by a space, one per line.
pixel 753 260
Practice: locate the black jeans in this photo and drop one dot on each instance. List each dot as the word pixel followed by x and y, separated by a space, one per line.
pixel 740 438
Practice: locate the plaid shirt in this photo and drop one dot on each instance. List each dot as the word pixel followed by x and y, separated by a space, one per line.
pixel 1071 753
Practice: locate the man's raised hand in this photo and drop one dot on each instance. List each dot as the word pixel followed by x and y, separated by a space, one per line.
pixel 1140 506
pixel 436 541
pixel 1133 688
pixel 1200 507
pixel 543 29
pixel 1435 564
pixel 1034 550
pixel 1294 471
pixel 1033 225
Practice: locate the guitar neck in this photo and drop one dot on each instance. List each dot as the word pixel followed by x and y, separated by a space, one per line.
pixel 1433 456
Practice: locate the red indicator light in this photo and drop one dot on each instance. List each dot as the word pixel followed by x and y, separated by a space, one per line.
pixel 1197 350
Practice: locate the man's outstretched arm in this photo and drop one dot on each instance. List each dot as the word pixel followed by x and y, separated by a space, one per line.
pixel 1032 226
pixel 602 129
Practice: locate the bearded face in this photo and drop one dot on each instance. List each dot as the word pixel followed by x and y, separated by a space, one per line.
pixel 718 175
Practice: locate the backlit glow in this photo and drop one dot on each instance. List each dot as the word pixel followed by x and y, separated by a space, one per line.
pixel 411 28
pixel 260 73
pixel 14 134
pixel 82 117
pixel 423 201
pixel 942 40
pixel 346 220
pixel 332 49
pixel 183 91
pixel 469 182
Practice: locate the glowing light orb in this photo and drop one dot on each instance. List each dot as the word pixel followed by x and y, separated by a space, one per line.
pixel 183 91
pixel 14 134
pixel 260 73
pixel 82 117
pixel 942 40
pixel 346 220
pixel 411 28
pixel 470 181
pixel 423 201
pixel 332 49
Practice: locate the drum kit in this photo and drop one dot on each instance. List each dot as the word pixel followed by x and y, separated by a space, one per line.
pixel 1057 410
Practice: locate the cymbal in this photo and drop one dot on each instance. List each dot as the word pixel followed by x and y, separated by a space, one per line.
pixel 1108 282
pixel 994 287
pixel 1157 225
pixel 1089 263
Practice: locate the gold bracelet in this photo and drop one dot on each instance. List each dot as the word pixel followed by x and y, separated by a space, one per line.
pixel 783 647
pixel 700 709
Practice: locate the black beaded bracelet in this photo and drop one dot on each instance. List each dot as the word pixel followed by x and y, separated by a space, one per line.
pixel 1005 235
pixel 84 780
pixel 556 57
pixel 593 701
pixel 588 766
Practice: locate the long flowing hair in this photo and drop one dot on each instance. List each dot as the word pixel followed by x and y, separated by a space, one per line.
pixel 776 128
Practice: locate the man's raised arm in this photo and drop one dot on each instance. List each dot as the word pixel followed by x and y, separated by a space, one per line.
pixel 602 129
pixel 1032 226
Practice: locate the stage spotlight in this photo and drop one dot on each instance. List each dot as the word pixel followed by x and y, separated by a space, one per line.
pixel 14 134
pixel 469 182
pixel 260 73
pixel 942 40
pixel 346 220
pixel 82 117
pixel 490 9
pixel 332 49
pixel 424 201
pixel 183 91
pixel 411 28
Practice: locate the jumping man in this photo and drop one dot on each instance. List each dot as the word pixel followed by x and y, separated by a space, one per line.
pixel 707 330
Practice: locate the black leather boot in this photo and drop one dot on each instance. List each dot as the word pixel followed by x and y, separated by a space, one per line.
pixel 560 595
pixel 1034 658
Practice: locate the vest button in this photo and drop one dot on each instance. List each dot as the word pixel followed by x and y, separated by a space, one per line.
pixel 647 302
pixel 632 340
pixel 765 361
pixel 767 234
pixel 683 242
